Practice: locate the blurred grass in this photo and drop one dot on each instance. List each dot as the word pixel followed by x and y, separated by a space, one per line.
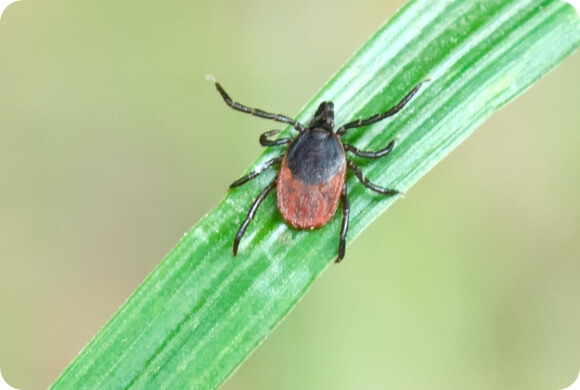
pixel 56 185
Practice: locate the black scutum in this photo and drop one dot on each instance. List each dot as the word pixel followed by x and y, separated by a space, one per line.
pixel 315 157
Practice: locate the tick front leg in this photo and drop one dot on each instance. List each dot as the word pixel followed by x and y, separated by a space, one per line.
pixel 252 175
pixel 344 226
pixel 251 214
pixel 254 111
pixel 379 117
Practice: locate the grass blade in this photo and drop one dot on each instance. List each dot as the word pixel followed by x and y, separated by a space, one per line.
pixel 201 312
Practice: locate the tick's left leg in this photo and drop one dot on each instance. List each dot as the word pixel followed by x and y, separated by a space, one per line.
pixel 254 111
pixel 255 173
pixel 251 214
pixel 265 141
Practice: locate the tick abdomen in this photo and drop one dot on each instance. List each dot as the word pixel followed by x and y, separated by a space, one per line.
pixel 310 179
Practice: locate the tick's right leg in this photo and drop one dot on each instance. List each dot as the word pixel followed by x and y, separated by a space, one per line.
pixel 368 184
pixel 369 154
pixel 344 226
pixel 379 117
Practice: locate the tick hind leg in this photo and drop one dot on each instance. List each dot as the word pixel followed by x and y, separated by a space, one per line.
pixel 344 225
pixel 368 184
pixel 251 214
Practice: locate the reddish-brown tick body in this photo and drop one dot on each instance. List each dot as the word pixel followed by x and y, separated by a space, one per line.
pixel 311 181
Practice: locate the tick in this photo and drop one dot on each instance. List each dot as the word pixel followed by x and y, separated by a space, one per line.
pixel 311 179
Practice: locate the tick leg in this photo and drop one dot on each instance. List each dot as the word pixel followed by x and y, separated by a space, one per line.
pixel 252 175
pixel 251 214
pixel 344 226
pixel 369 154
pixel 379 117
pixel 381 190
pixel 255 111
pixel 264 141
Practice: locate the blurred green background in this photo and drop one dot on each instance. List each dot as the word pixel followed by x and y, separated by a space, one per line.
pixel 112 145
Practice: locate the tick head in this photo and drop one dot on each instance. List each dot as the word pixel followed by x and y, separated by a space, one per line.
pixel 324 117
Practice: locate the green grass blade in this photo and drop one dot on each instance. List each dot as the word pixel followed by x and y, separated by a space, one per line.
pixel 201 312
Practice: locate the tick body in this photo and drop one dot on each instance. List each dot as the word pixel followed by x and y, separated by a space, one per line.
pixel 311 178
pixel 311 181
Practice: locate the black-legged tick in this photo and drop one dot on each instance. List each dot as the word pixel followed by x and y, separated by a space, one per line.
pixel 311 179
